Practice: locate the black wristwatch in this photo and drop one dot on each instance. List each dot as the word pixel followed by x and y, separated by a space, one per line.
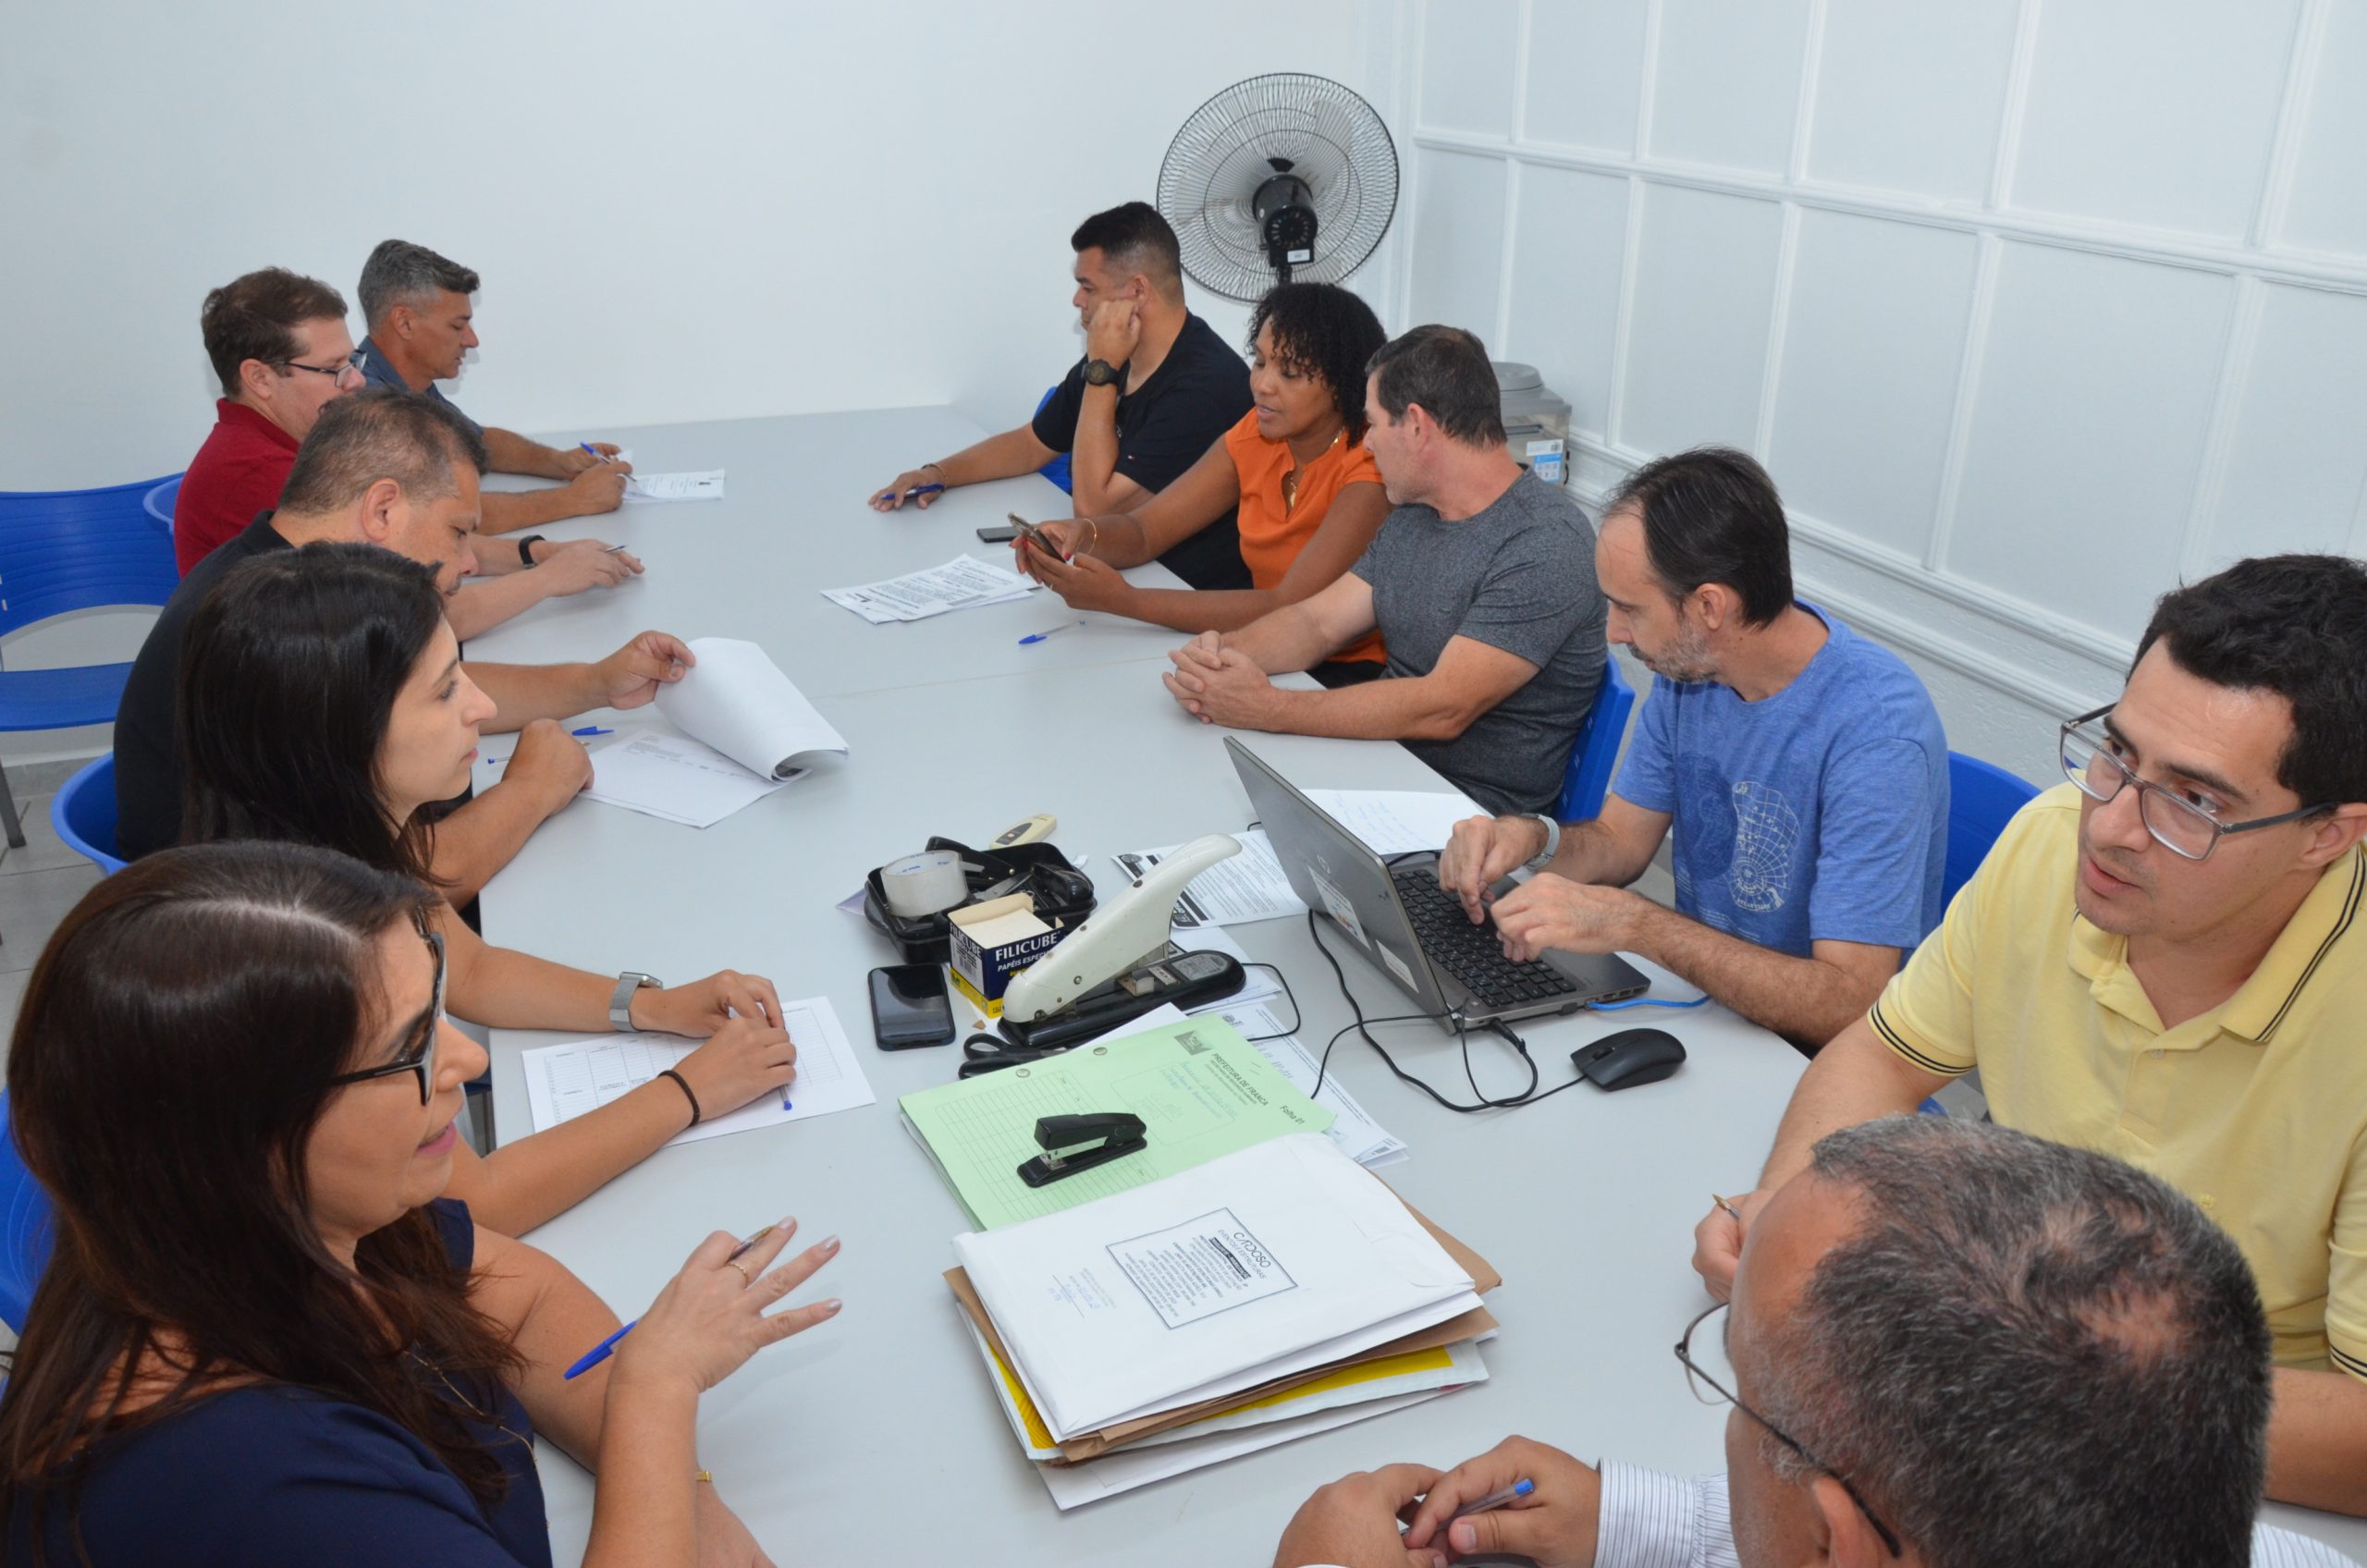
pixel 1101 372
pixel 525 549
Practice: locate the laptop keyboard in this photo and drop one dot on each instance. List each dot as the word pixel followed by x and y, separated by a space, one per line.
pixel 1472 953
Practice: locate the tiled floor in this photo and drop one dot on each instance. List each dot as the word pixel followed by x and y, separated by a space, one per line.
pixel 38 885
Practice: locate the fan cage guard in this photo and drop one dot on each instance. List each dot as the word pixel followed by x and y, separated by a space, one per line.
pixel 1333 140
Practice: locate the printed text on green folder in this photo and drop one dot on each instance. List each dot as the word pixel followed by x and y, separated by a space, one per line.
pixel 1200 1088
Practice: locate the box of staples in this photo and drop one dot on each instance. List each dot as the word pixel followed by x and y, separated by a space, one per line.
pixel 991 942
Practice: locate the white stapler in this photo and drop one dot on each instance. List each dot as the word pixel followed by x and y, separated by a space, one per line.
pixel 1129 930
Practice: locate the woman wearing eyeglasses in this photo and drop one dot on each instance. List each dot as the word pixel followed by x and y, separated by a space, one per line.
pixel 322 701
pixel 263 1337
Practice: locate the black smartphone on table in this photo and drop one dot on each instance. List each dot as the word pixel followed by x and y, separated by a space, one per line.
pixel 1001 535
pixel 908 1007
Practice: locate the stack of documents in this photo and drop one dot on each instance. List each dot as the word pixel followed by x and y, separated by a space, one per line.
pixel 961 584
pixel 1259 1297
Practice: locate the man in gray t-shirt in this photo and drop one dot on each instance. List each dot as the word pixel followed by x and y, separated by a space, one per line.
pixel 1481 585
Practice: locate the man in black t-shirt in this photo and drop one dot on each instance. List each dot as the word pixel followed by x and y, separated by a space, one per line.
pixel 1156 389
pixel 393 470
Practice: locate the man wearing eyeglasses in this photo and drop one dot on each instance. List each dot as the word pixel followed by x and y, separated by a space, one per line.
pixel 1948 1343
pixel 2163 959
pixel 278 344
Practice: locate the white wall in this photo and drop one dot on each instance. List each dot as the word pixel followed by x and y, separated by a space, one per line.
pixel 693 212
pixel 2031 306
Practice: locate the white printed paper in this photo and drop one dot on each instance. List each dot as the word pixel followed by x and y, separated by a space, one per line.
pixel 1396 822
pixel 705 484
pixel 1237 889
pixel 1203 1266
pixel 960 584
pixel 565 1080
pixel 738 701
pixel 674 779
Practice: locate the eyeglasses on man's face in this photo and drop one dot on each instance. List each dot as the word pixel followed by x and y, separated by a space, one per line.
pixel 2189 829
pixel 354 364
pixel 1711 1391
pixel 418 1055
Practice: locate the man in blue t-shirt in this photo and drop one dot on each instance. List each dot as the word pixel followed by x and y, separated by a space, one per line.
pixel 1801 768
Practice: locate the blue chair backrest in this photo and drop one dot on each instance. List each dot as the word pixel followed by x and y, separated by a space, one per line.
pixel 84 813
pixel 1057 471
pixel 1588 779
pixel 1982 798
pixel 25 1228
pixel 161 500
pixel 65 550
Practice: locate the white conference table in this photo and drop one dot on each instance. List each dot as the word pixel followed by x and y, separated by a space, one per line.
pixel 875 1437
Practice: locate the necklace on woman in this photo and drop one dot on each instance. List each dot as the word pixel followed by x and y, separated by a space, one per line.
pixel 1290 480
pixel 481 1417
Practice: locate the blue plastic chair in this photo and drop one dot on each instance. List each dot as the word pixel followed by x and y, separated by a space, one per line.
pixel 26 1228
pixel 83 814
pixel 1982 798
pixel 1589 780
pixel 159 502
pixel 1057 471
pixel 73 550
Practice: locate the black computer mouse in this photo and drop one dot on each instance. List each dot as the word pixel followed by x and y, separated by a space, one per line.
pixel 1629 1058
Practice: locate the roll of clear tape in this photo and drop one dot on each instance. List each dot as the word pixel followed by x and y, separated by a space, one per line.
pixel 928 883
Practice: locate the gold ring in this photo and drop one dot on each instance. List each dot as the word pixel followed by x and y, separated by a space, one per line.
pixel 746 1279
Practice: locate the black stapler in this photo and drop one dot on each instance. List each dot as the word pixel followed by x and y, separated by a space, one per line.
pixel 1071 1144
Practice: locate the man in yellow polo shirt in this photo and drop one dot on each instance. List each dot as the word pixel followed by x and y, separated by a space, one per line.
pixel 2164 959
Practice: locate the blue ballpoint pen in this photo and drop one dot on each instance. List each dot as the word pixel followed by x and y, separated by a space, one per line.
pixel 608 1347
pixel 1039 636
pixel 591 730
pixel 597 454
pixel 919 490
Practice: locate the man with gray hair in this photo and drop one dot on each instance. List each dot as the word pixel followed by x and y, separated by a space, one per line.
pixel 398 472
pixel 1950 1344
pixel 419 310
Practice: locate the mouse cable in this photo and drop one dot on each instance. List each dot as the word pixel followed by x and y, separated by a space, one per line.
pixel 1363 1026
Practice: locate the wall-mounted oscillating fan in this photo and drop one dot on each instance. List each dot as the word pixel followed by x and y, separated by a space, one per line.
pixel 1278 178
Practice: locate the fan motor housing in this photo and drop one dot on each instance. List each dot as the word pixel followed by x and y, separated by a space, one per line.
pixel 1284 206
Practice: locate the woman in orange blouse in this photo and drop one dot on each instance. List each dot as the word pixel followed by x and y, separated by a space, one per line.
pixel 1294 470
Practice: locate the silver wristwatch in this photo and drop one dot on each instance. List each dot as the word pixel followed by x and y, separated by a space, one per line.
pixel 620 1002
pixel 1544 857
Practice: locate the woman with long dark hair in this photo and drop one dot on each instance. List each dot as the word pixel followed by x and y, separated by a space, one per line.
pixel 262 1336
pixel 1309 496
pixel 322 701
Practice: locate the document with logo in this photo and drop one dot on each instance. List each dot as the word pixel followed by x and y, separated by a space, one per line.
pixel 1272 1260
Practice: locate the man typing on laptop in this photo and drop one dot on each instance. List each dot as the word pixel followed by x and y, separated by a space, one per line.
pixel 1398 917
pixel 1802 769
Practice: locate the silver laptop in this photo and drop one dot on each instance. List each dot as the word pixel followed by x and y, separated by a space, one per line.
pixel 1412 929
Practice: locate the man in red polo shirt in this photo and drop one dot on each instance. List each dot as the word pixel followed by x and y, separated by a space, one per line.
pixel 278 342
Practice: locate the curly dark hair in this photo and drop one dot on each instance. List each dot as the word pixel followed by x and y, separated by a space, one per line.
pixel 2294 625
pixel 1324 330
